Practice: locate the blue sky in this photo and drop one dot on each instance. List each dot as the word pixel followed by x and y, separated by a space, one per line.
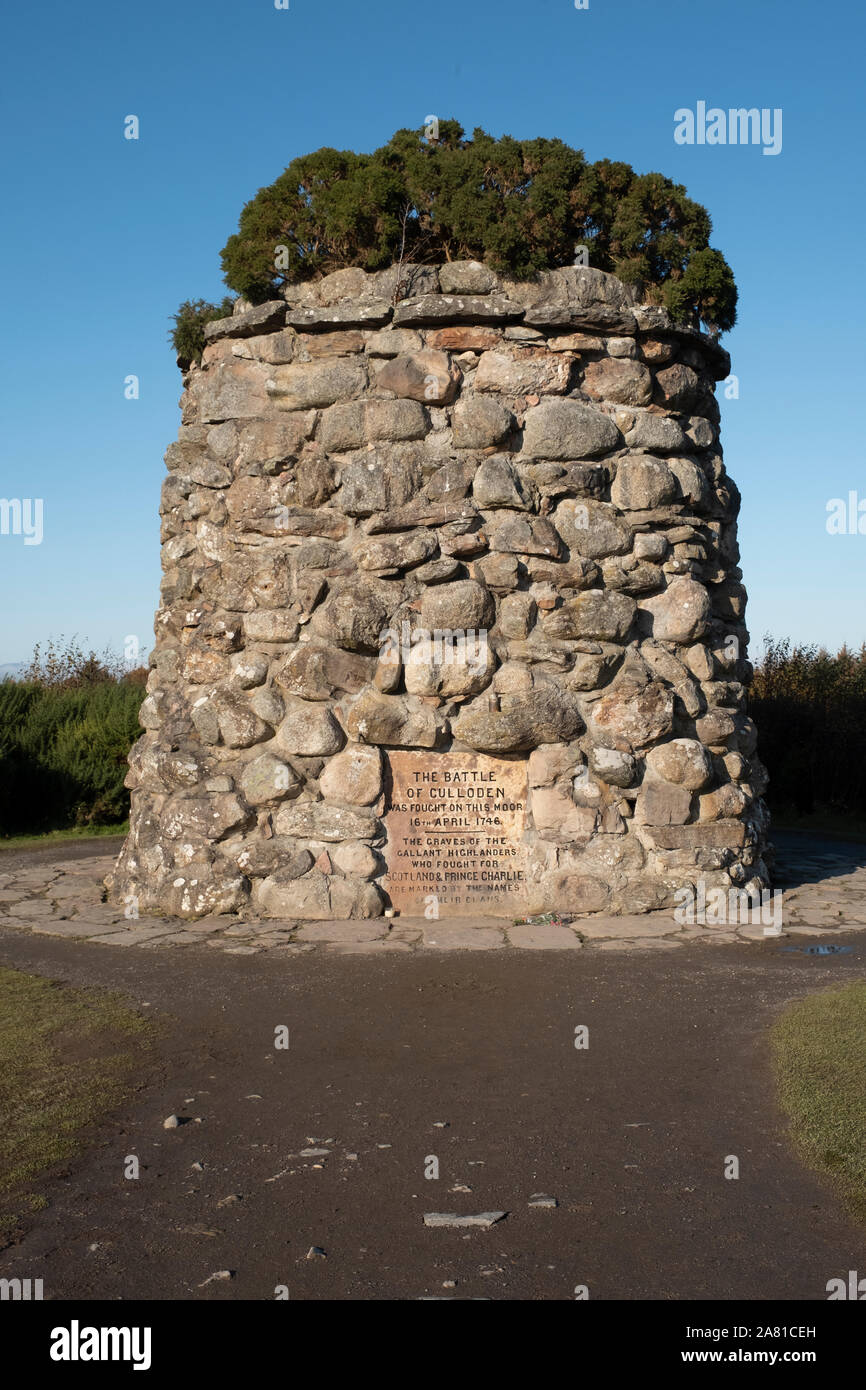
pixel 103 237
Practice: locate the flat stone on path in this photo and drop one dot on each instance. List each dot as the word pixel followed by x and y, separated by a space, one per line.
pixel 618 928
pixel 229 919
pixel 81 929
pixel 351 931
pixel 107 920
pixel 484 1219
pixel 450 936
pixel 819 917
pixel 369 948
pixel 412 934
pixel 640 943
pixel 758 933
pixel 36 907
pixel 132 938
pixel 70 888
pixel 544 937
pixel 796 930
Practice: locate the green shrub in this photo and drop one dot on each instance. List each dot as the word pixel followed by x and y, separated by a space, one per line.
pixel 66 729
pixel 63 754
pixel 187 336
pixel 519 205
pixel 810 709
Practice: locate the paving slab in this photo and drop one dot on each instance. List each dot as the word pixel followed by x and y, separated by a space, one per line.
pixel 801 929
pixel 643 925
pixel 131 938
pixel 105 920
pixel 35 907
pixel 59 892
pixel 544 937
pixel 369 948
pixel 641 943
pixel 818 917
pixel 178 938
pixel 82 930
pixel 352 931
pixel 215 922
pixel 749 932
pixel 449 936
pixel 412 934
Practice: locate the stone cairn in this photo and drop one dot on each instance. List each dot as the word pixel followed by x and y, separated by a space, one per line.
pixel 424 452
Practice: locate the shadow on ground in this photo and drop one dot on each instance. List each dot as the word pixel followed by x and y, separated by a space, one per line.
pixel 805 858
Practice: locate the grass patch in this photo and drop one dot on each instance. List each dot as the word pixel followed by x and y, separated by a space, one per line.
pixel 66 1056
pixel 819 1055
pixel 56 837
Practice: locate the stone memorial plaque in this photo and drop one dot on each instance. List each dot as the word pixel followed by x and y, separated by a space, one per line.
pixel 454 825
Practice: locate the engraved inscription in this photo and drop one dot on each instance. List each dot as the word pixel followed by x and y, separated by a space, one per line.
pixel 455 826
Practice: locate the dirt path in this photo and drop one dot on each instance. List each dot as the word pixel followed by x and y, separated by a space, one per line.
pixel 630 1136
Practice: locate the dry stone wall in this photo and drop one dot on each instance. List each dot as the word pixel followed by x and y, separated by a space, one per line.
pixel 427 520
